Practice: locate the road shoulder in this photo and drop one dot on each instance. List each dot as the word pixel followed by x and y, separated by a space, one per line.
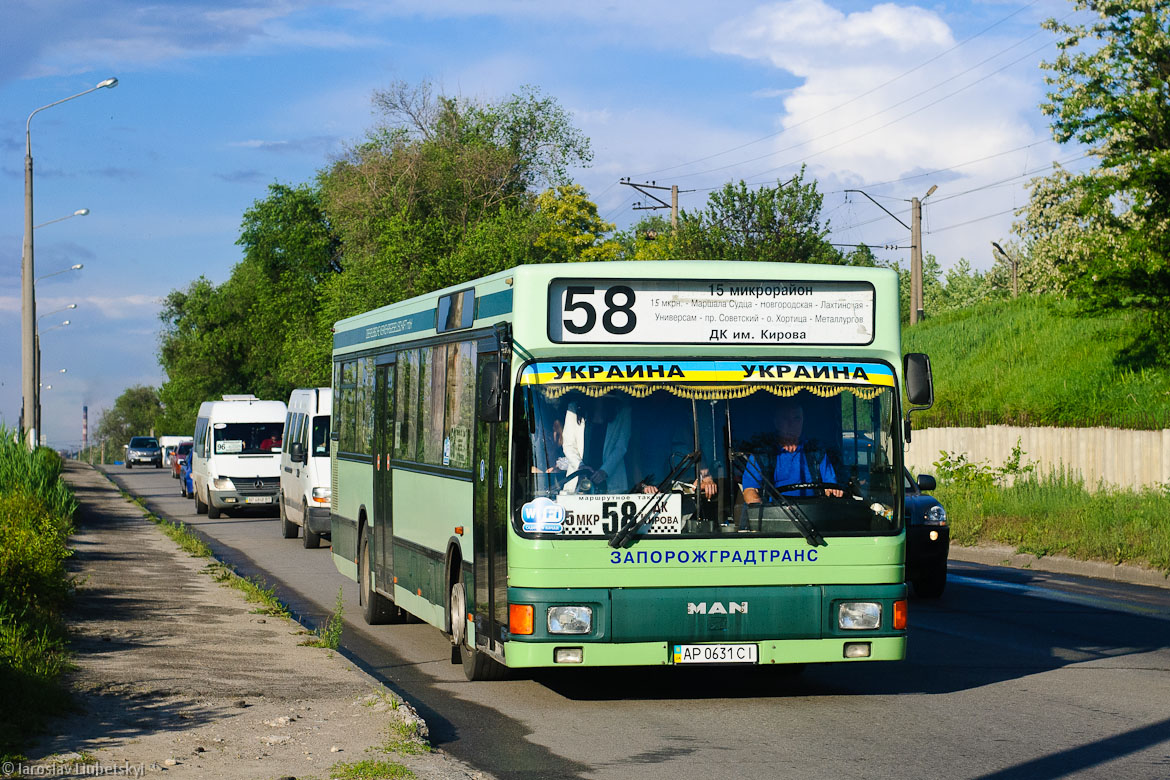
pixel 176 673
pixel 1002 555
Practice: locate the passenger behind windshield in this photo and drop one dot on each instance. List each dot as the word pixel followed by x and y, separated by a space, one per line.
pixel 596 437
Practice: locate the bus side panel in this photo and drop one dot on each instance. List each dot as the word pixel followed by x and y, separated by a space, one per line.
pixel 357 478
pixel 427 509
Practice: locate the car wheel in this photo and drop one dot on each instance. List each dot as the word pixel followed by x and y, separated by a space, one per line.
pixel 213 512
pixel 376 608
pixel 310 540
pixel 288 529
pixel 129 465
pixel 200 507
pixel 931 585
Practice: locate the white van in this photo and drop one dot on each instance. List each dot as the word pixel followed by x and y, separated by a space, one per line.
pixel 304 465
pixel 236 459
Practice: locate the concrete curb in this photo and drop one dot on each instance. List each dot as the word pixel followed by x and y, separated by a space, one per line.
pixel 1002 555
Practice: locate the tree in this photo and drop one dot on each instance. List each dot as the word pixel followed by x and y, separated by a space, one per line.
pixel 1107 230
pixel 136 412
pixel 778 224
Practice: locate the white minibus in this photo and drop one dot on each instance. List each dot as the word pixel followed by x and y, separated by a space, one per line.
pixel 235 463
pixel 304 466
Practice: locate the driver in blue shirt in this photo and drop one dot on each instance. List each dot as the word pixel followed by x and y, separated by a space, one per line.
pixel 794 461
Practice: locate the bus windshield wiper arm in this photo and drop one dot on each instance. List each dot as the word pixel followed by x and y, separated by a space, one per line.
pixel 624 533
pixel 795 514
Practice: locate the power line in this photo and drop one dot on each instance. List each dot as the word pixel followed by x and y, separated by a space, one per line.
pixel 853 99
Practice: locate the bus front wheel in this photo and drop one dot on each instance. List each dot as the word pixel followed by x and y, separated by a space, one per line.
pixel 476 665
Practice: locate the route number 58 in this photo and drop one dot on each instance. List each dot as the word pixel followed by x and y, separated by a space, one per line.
pixel 617 317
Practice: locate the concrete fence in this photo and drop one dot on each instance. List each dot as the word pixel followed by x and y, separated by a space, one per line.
pixel 1110 456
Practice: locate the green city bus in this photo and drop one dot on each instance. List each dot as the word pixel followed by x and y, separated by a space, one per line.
pixel 631 464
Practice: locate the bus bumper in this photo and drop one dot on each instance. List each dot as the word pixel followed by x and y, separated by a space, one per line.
pixel 771 652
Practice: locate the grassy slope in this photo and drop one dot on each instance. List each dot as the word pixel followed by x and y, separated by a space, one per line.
pixel 1035 361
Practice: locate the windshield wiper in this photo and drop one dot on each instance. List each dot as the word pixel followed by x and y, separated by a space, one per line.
pixel 624 533
pixel 795 514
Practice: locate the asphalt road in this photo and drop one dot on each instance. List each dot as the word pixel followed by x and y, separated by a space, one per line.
pixel 1011 674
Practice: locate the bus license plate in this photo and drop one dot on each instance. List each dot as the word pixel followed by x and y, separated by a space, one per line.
pixel 258 500
pixel 716 654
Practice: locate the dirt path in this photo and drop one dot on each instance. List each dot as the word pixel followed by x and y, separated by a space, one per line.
pixel 177 675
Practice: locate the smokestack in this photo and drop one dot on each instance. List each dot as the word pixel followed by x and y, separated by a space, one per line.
pixel 84 428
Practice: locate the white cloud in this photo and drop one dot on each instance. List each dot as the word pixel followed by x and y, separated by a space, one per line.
pixel 867 111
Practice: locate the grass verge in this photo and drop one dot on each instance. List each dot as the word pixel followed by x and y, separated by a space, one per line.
pixel 1053 513
pixel 36 518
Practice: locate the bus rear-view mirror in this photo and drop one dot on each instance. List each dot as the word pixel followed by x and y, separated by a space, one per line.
pixel 919 384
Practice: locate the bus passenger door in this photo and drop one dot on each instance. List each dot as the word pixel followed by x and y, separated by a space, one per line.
pixel 381 545
pixel 489 596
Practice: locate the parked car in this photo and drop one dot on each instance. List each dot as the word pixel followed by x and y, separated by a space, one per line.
pixel 144 450
pixel 928 538
pixel 186 486
pixel 181 451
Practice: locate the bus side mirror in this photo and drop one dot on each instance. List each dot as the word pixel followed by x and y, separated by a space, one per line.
pixel 296 452
pixel 919 383
pixel 493 392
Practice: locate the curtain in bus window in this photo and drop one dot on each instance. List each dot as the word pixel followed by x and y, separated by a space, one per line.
pixel 364 404
pixel 406 406
pixel 460 405
pixel 348 390
pixel 434 402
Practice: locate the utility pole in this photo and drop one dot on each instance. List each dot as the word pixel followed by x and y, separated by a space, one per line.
pixel 915 260
pixel 673 205
pixel 915 228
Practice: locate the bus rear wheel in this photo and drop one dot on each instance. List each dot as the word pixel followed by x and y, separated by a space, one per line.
pixel 477 666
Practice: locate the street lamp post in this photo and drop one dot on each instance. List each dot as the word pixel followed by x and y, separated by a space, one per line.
pixel 1015 268
pixel 28 317
pixel 37 411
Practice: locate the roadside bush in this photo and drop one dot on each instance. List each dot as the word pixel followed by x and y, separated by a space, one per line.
pixel 1052 513
pixel 36 514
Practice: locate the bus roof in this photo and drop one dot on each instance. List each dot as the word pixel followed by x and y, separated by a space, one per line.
pixel 521 295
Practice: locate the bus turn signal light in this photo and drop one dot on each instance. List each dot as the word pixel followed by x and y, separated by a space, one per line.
pixel 900 615
pixel 520 619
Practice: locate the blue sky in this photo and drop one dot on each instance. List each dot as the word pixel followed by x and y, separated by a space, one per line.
pixel 219 98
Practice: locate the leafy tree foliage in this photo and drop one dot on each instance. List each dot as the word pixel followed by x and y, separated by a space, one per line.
pixel 440 191
pixel 777 224
pixel 1107 230
pixel 137 412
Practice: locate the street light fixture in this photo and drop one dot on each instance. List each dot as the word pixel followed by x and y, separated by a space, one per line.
pixel 37 411
pixel 78 213
pixel 76 267
pixel 28 319
pixel 1015 268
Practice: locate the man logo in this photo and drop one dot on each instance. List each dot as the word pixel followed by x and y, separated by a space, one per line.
pixel 717 608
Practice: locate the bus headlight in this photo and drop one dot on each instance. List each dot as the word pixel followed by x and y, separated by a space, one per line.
pixel 859 615
pixel 321 495
pixel 570 620
pixel 222 483
pixel 936 515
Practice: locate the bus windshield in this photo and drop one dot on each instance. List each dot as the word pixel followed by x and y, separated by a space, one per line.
pixel 739 459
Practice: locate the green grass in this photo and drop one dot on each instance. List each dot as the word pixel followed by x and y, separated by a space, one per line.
pixel 1055 515
pixel 1036 361
pixel 405 739
pixel 369 769
pixel 329 634
pixel 36 518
